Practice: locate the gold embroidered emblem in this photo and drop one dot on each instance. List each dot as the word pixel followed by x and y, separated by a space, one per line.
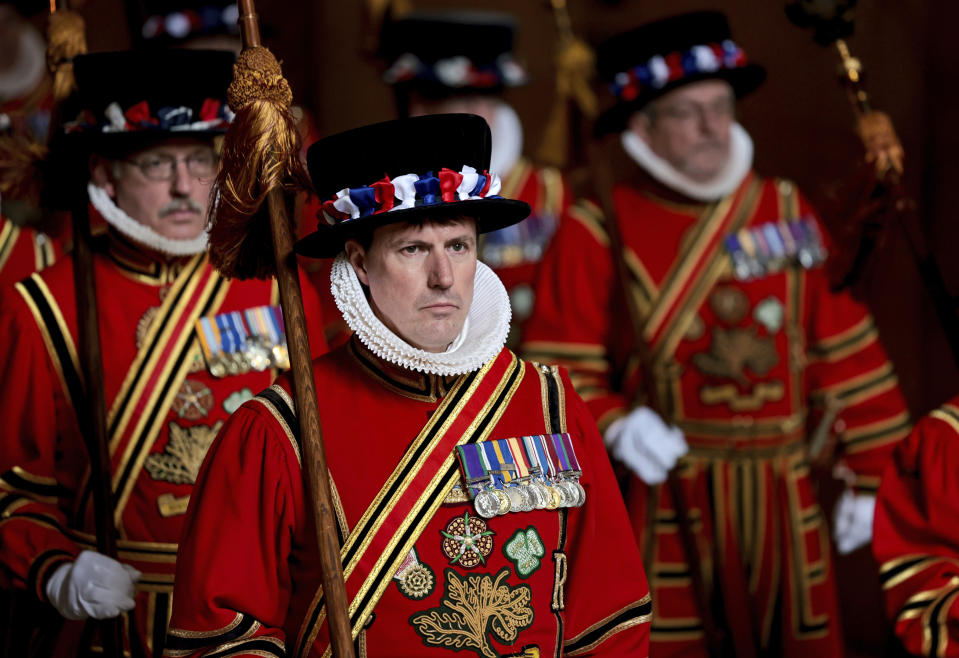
pixel 730 304
pixel 180 461
pixel 472 609
pixel 144 324
pixel 696 329
pixel 762 393
pixel 734 350
pixel 456 495
pixel 193 401
pixel 170 505
pixel 414 578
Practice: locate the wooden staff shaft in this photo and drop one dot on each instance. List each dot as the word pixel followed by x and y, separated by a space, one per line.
pixel 307 412
pixel 91 412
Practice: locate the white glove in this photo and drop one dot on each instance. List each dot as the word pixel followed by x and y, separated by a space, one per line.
pixel 852 524
pixel 93 585
pixel 648 446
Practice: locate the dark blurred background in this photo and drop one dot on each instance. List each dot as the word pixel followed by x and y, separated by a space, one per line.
pixel 801 122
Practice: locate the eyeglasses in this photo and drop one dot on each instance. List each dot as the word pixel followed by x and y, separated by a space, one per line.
pixel 162 167
pixel 686 111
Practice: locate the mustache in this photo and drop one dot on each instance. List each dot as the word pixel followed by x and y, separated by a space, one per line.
pixel 179 205
pixel 710 145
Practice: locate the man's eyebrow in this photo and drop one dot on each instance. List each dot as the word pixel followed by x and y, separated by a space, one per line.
pixel 465 237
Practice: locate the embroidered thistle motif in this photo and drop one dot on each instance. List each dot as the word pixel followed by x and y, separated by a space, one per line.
pixel 472 609
pixel 182 456
pixel 467 541
pixel 525 550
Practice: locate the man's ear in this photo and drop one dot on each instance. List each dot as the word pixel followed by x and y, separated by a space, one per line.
pixel 640 124
pixel 101 175
pixel 357 257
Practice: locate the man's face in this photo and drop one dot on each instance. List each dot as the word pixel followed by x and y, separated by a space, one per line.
pixel 484 106
pixel 420 278
pixel 689 127
pixel 166 187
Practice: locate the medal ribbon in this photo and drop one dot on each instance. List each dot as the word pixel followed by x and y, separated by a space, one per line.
pixel 493 464
pixel 505 458
pixel 209 337
pixel 536 466
pixel 556 453
pixel 227 334
pixel 567 441
pixel 556 441
pixel 517 450
pixel 544 456
pixel 473 467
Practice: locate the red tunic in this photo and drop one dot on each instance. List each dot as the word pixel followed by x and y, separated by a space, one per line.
pixel 744 368
pixel 581 590
pixel 24 251
pixel 916 537
pixel 44 493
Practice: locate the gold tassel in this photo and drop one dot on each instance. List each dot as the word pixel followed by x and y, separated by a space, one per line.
pixel 574 70
pixel 883 148
pixel 20 172
pixel 261 152
pixel 66 38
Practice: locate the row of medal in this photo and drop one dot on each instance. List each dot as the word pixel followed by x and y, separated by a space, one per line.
pixel 239 342
pixel 771 247
pixel 521 474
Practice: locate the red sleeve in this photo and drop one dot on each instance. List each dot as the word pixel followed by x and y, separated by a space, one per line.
pixel 850 371
pixel 236 540
pixel 315 317
pixel 36 490
pixel 574 316
pixel 916 536
pixel 608 605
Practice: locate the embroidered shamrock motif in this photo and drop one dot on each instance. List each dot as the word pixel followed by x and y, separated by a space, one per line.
pixel 525 549
pixel 467 541
pixel 236 398
pixel 473 608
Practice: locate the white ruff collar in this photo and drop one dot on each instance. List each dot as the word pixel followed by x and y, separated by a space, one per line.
pixel 29 67
pixel 733 172
pixel 141 233
pixel 507 132
pixel 482 337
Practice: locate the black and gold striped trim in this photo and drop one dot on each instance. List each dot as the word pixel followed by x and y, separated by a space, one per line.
pixel 59 342
pixel 640 612
pixel 42 567
pixel 591 217
pixel 16 480
pixel 366 599
pixel 9 232
pixel 182 642
pixel 258 646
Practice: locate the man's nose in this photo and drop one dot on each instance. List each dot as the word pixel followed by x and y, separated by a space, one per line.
pixel 182 179
pixel 441 271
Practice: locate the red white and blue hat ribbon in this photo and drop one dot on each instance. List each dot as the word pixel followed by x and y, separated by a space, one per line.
pixel 661 70
pixel 410 191
pixel 213 114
